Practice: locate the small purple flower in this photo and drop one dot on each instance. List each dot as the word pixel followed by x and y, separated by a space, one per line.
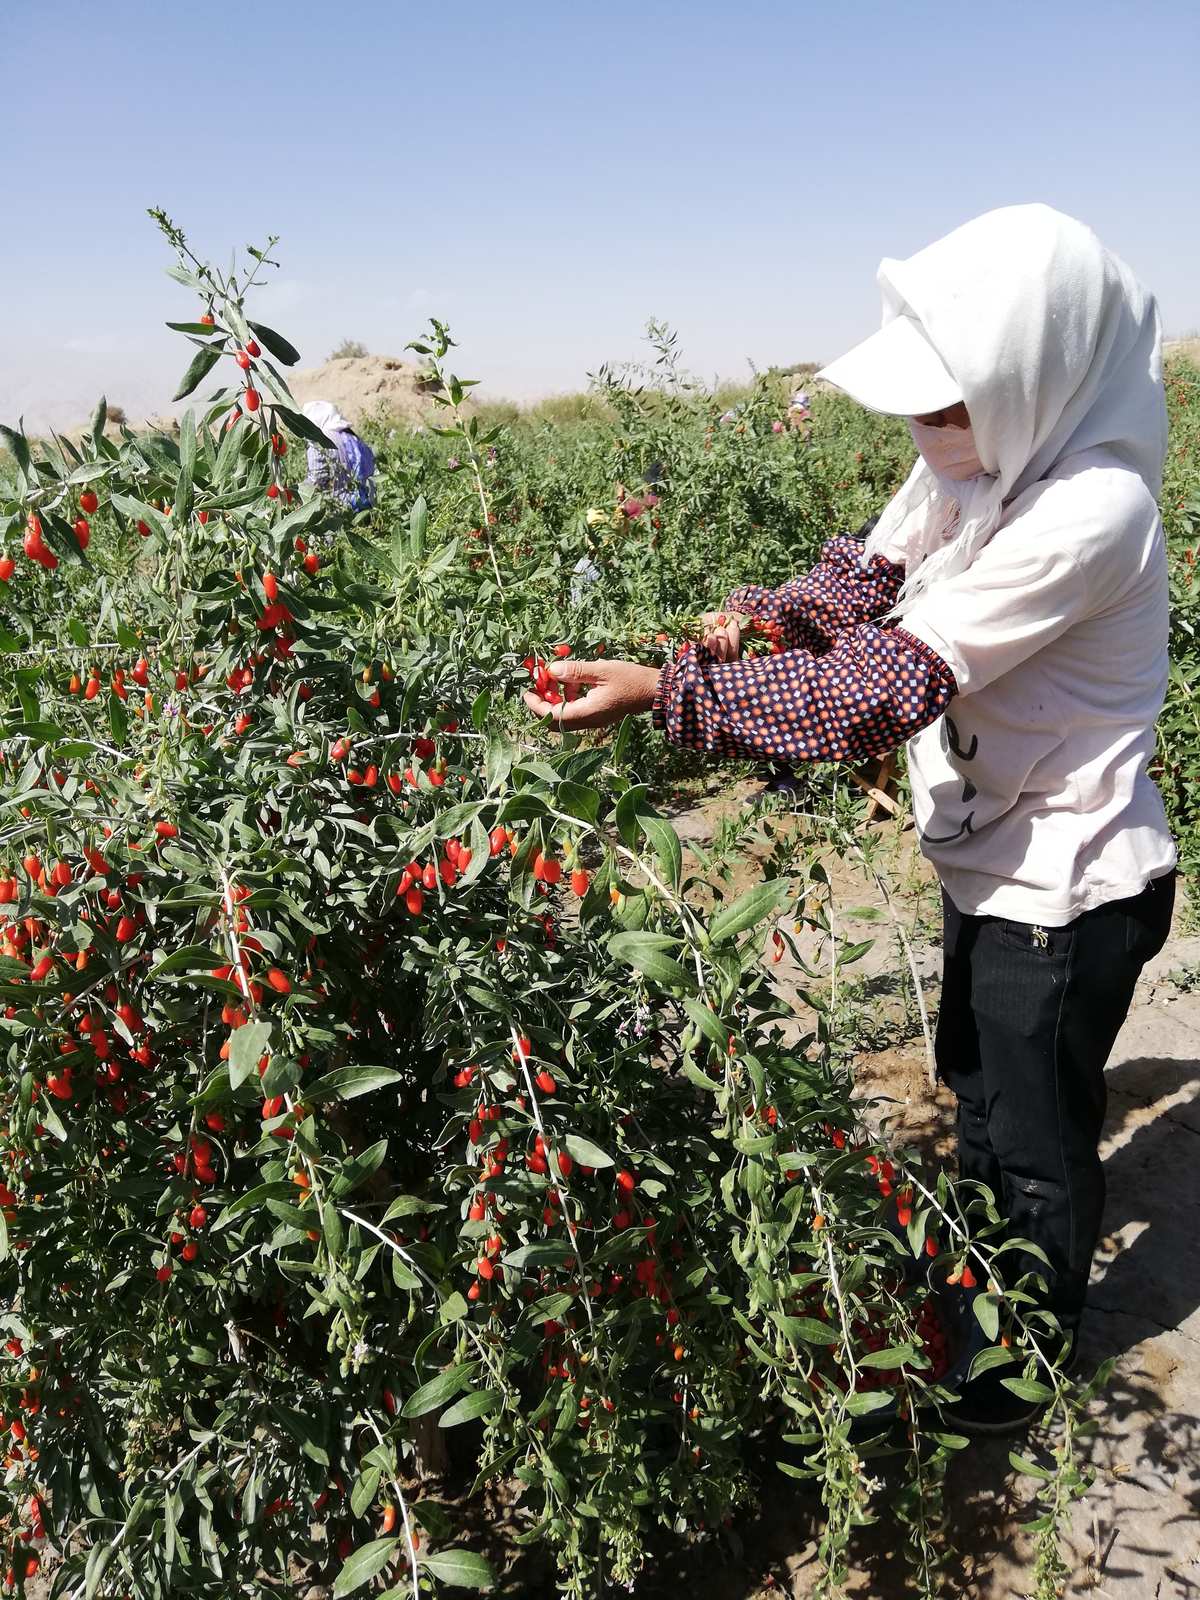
pixel 650 499
pixel 777 427
pixel 632 508
pixel 453 464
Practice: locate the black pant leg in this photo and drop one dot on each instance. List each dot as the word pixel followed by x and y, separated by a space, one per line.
pixel 956 1049
pixel 1111 947
pixel 1048 1005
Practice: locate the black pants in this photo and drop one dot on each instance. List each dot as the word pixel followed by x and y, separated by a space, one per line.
pixel 1028 1018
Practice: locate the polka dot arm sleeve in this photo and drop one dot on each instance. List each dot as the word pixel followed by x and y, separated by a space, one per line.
pixel 871 692
pixel 813 611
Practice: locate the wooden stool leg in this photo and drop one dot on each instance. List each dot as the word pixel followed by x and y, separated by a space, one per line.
pixel 877 792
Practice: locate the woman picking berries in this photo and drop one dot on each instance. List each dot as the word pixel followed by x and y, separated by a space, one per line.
pixel 1007 617
pixel 346 469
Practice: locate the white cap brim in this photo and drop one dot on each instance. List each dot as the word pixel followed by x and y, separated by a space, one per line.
pixel 896 371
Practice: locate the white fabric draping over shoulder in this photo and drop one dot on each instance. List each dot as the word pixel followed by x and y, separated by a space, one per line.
pixel 1057 349
pixel 327 417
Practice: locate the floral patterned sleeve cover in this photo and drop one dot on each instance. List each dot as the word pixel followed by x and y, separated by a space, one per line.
pixel 847 688
pixel 814 610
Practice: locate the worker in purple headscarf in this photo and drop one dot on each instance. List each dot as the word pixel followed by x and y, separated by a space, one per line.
pixel 346 469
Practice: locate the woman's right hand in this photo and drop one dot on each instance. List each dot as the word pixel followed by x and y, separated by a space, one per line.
pixel 722 635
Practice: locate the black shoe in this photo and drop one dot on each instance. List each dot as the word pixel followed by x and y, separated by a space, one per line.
pixel 985 1406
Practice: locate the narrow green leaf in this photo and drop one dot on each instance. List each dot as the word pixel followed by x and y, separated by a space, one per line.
pixel 469 1407
pixel 440 1389
pixel 895 1356
pixel 365 1563
pixel 750 908
pixel 199 367
pixel 1031 1469
pixel 279 347
pixel 299 424
pixel 809 1329
pixel 647 953
pixel 247 1046
pixel 994 1356
pixel 461 1569
pixel 1028 1389
pixel 346 1083
pixel 252 1198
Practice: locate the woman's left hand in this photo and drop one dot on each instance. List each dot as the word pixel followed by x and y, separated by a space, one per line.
pixel 618 689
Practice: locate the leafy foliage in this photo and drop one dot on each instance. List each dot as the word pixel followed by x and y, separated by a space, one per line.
pixel 372 1065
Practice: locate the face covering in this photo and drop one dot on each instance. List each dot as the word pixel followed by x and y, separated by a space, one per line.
pixel 950 452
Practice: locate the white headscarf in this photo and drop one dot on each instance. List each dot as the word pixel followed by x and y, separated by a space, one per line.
pixel 1056 348
pixel 327 417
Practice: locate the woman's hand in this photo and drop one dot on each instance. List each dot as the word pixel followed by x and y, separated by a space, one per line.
pixel 722 636
pixel 618 689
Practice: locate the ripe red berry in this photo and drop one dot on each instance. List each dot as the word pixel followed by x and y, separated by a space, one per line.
pixel 968 1279
pixel 252 348
pixel 626 1182
pixel 545 1082
pixel 164 1272
pixel 579 882
pixel 251 399
pixel 243 360
pixel 197 1217
pixel 312 563
pixel 7 567
pixel 88 502
pixel 279 980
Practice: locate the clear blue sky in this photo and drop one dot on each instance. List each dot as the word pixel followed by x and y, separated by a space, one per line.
pixel 548 176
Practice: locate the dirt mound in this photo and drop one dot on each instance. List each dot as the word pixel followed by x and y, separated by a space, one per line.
pixel 365 386
pixel 1183 349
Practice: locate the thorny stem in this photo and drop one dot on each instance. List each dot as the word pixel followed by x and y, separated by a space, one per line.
pixel 118 1539
pixel 408 1537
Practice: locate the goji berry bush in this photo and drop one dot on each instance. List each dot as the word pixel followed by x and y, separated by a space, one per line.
pixel 381 1076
